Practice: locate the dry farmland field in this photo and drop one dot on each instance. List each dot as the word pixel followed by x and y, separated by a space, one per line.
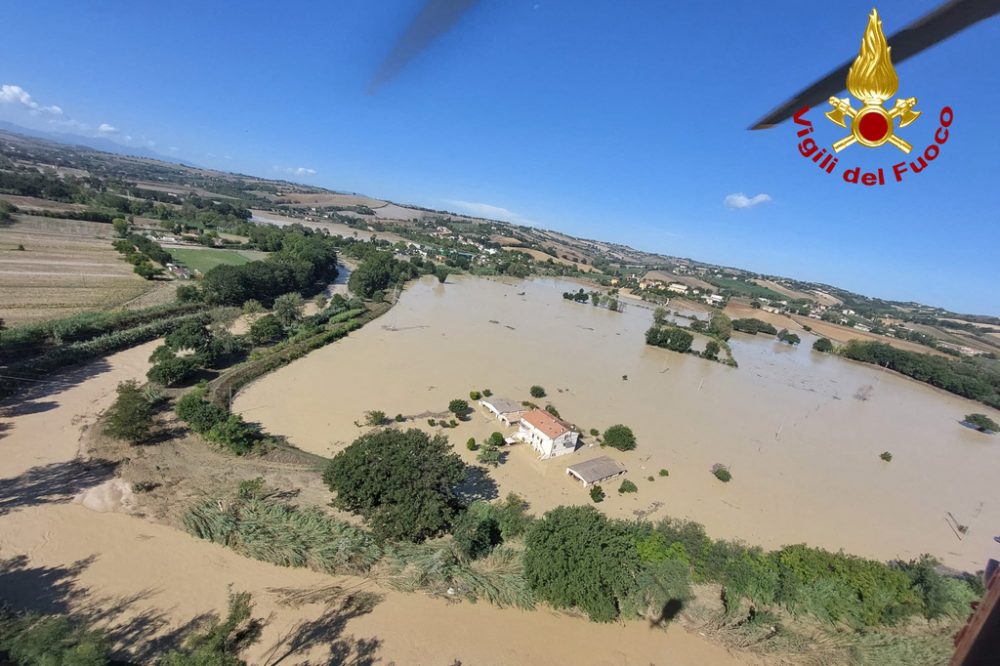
pixel 66 266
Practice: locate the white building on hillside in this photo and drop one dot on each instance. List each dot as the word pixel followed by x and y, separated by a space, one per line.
pixel 677 288
pixel 547 434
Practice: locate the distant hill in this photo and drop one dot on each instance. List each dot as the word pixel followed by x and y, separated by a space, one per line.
pixel 95 142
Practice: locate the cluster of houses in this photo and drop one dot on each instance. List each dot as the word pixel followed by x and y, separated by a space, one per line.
pixel 551 437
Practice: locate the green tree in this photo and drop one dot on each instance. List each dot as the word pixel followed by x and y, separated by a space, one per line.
pixel 982 423
pixel 720 326
pixel 31 639
pixel 441 272
pixel 458 406
pixel 402 481
pixel 130 418
pixel 513 517
pixel 120 227
pixel 489 455
pixel 477 530
pixel 496 439
pixel 288 308
pixel 577 558
pixel 188 293
pixel 791 338
pixel 537 391
pixel 471 444
pixel 266 329
pixel 670 337
pixel 712 349
pixel 596 494
pixel 619 437
pixel 823 345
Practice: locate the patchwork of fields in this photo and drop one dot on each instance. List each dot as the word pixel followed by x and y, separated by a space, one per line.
pixel 65 267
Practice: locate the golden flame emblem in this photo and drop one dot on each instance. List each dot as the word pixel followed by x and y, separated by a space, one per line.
pixel 872 80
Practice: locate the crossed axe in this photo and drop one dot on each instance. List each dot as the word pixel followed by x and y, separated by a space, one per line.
pixel 902 110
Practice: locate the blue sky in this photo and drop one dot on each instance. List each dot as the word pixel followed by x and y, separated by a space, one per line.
pixel 619 121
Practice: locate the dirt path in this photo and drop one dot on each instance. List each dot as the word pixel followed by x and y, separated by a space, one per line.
pixel 146 582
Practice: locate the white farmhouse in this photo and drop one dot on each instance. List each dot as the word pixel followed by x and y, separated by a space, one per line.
pixel 547 434
pixel 677 288
pixel 506 411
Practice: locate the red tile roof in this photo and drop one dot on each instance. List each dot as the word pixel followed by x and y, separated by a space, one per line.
pixel 548 424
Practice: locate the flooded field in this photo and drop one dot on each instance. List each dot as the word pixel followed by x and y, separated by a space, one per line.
pixel 801 432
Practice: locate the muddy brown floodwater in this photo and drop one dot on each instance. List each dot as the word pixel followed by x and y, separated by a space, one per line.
pixel 802 445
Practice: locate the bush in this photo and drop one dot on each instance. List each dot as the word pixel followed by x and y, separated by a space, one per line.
pixel 471 444
pixel 198 413
pixel 597 494
pixel 431 422
pixel 399 418
pixel 628 487
pixel 496 439
pixel 402 482
pixel 477 531
pixel 130 418
pixel 170 371
pixel 265 330
pixel 721 472
pixel 513 517
pixel 982 423
pixel 651 478
pixel 537 391
pixel 220 643
pixel 790 338
pixel 823 345
pixel 664 472
pixel 487 392
pixel 594 432
pixel 31 639
pixel 458 407
pixel 886 456
pixel 551 409
pixel 235 434
pixel 375 417
pixel 474 395
pixel 619 437
pixel 712 349
pixel 490 455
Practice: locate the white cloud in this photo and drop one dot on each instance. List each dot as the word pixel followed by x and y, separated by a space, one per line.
pixel 11 94
pixel 486 210
pixel 295 171
pixel 105 128
pixel 740 200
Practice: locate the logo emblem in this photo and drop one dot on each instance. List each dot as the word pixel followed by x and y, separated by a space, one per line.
pixel 872 80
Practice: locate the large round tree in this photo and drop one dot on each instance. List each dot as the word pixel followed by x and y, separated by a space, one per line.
pixel 402 482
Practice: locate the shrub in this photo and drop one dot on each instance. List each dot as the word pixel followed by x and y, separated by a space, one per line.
pixel 619 437
pixel 982 423
pixel 471 444
pixel 402 481
pixel 265 330
pixel 487 392
pixel 790 338
pixel 490 455
pixel 31 638
pixel 594 432
pixel 537 391
pixel 886 456
pixel 721 472
pixel 664 472
pixel 458 407
pixel 597 494
pixel 130 418
pixel 712 349
pixel 513 517
pixel 431 422
pixel 375 417
pixel 235 434
pixel 170 371
pixel 627 487
pixel 823 345
pixel 474 395
pixel 496 439
pixel 399 418
pixel 200 414
pixel 551 409
pixel 651 478
pixel 476 530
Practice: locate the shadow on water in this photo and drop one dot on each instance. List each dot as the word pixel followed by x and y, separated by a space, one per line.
pixel 55 483
pixel 478 485
pixel 30 391
pixel 57 591
pixel 327 630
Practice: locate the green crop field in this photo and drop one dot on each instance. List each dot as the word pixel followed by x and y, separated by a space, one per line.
pixel 202 260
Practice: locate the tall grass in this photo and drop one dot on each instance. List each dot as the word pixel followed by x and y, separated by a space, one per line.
pixel 438 567
pixel 269 530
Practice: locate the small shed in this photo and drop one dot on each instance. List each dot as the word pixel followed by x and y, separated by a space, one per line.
pixel 596 470
pixel 507 411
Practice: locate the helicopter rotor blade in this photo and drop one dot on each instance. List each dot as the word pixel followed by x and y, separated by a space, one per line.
pixel 936 26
